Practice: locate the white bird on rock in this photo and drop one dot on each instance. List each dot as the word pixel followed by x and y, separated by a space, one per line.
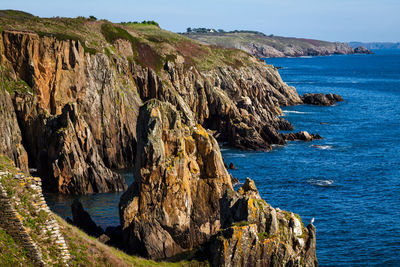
pixel 312 220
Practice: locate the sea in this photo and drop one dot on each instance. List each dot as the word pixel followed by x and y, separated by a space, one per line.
pixel 349 181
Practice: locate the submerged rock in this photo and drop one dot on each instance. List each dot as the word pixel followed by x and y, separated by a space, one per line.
pixel 173 204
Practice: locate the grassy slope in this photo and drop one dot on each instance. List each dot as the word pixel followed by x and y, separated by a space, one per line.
pixel 85 250
pixel 152 45
pixel 242 38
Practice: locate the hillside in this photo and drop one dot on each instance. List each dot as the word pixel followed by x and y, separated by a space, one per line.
pixel 262 46
pixel 48 239
pixel 376 45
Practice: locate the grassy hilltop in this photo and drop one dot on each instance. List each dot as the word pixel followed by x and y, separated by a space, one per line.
pixel 151 45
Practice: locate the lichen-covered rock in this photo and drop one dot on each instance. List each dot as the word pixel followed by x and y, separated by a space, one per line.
pixel 10 134
pixel 79 156
pixel 255 234
pixel 173 204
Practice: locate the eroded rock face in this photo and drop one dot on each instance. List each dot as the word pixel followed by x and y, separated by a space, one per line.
pixel 73 157
pixel 256 234
pixel 10 134
pixel 173 204
pixel 321 99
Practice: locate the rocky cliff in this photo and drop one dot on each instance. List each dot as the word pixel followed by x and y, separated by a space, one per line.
pixel 78 106
pixel 87 97
pixel 263 46
pixel 173 205
pixel 182 199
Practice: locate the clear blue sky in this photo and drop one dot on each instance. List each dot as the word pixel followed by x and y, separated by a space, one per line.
pixel 331 20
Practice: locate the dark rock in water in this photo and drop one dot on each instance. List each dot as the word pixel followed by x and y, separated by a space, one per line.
pixel 272 136
pixel 82 220
pixel 303 136
pixel 321 99
pixel 362 50
pixel 234 180
pixel 231 166
pixel 283 125
pixel 256 234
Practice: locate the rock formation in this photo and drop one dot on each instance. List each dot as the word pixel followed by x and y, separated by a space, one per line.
pixel 256 234
pixel 182 197
pixel 10 134
pixel 362 50
pixel 105 92
pixel 173 204
pixel 72 154
pixel 82 220
pixel 321 99
pixel 263 46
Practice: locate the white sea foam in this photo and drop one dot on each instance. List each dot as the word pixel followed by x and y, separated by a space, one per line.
pixel 323 183
pixel 235 155
pixel 294 111
pixel 322 147
pixel 306 57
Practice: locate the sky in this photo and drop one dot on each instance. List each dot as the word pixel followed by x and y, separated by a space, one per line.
pixel 330 20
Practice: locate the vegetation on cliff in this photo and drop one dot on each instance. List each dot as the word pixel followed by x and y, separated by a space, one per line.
pixel 262 45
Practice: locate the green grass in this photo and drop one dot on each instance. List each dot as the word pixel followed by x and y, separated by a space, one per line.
pixel 102 255
pixel 11 253
pixel 11 85
pixel 67 37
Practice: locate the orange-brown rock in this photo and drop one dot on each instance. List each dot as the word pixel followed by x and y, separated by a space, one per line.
pixel 173 205
pixel 256 234
pixel 60 73
pixel 10 134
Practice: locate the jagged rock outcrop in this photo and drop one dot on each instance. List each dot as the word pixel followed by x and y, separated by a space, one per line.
pixel 10 134
pixel 302 136
pixel 321 99
pixel 79 154
pixel 173 204
pixel 256 234
pixel 82 220
pixel 182 196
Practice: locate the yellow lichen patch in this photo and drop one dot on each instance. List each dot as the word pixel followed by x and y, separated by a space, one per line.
pixel 201 131
pixel 252 208
pixel 193 167
pixel 154 113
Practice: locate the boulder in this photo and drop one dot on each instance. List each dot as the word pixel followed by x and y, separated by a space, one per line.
pixel 82 220
pixel 173 204
pixel 303 136
pixel 321 99
pixel 232 166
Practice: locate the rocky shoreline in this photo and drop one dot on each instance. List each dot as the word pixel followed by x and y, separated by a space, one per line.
pixel 76 116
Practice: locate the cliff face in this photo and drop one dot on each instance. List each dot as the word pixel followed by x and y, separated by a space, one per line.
pixel 173 205
pixel 10 134
pixel 76 121
pixel 182 199
pixel 78 113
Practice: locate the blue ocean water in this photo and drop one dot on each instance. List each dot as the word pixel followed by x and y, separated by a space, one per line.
pixel 349 181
